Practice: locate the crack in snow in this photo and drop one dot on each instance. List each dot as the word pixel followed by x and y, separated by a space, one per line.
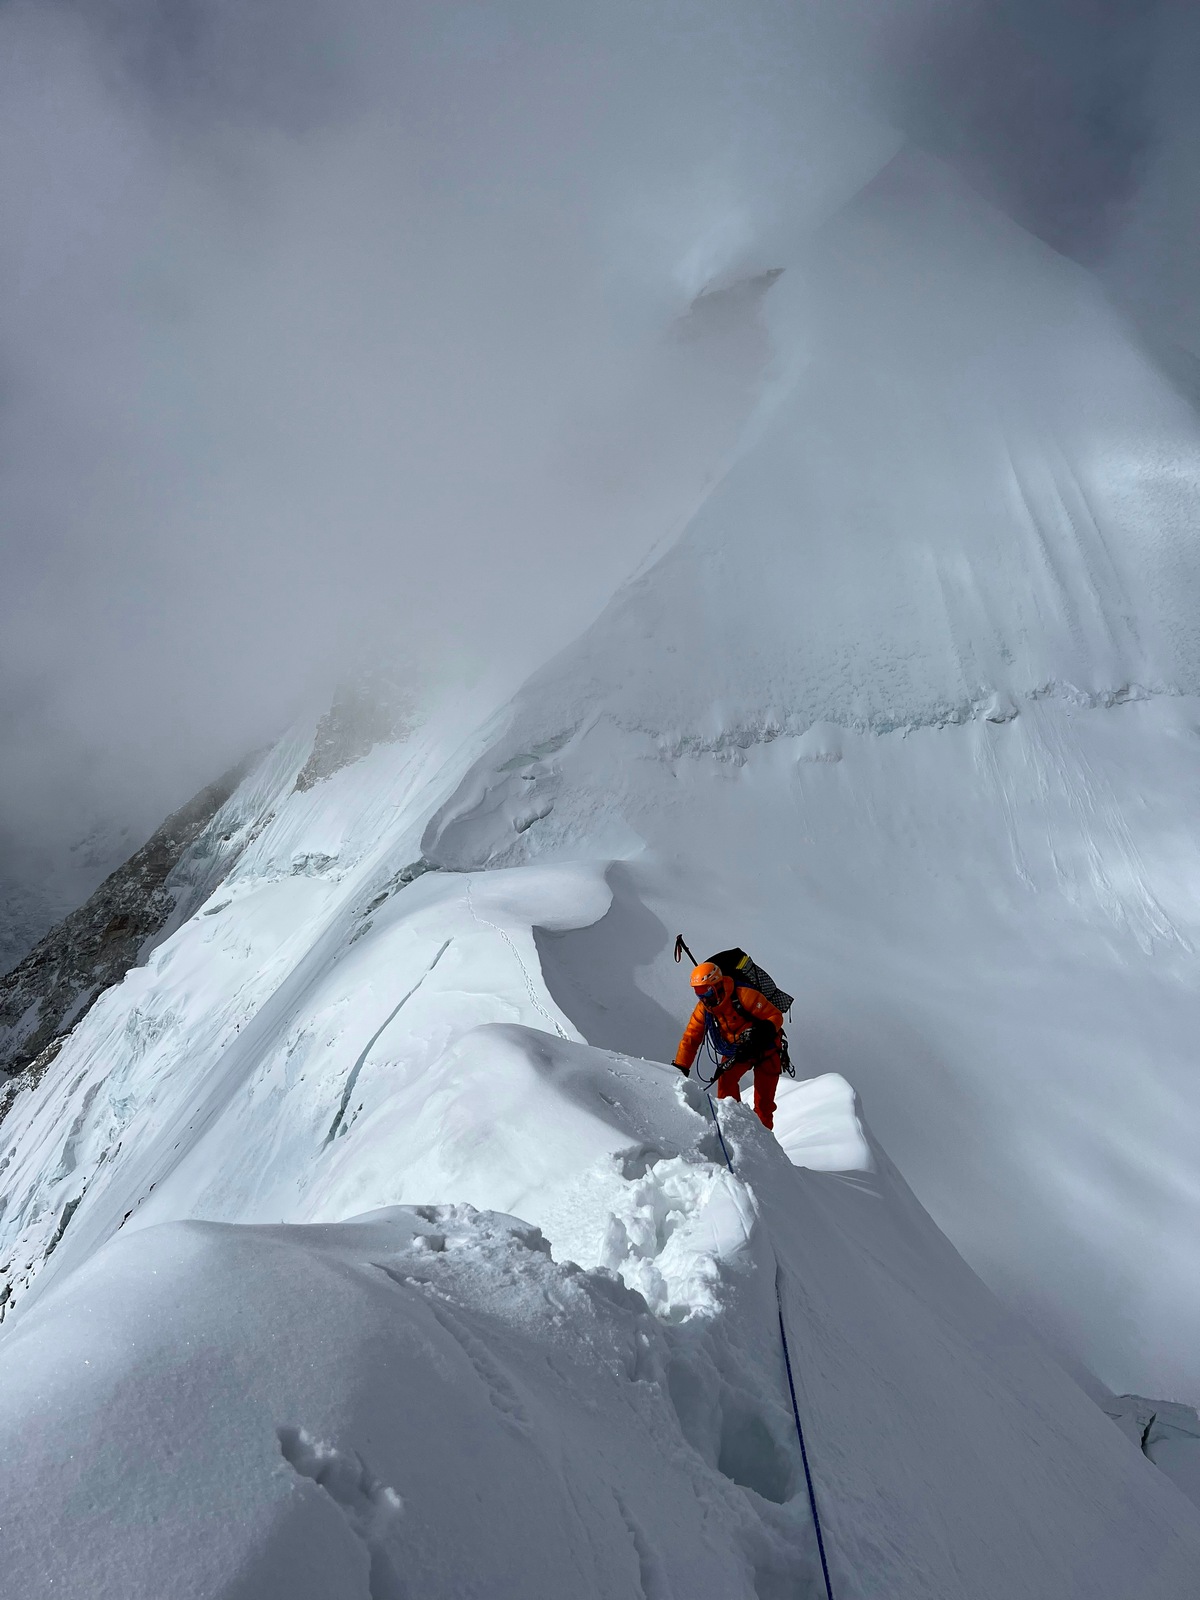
pixel 373 1041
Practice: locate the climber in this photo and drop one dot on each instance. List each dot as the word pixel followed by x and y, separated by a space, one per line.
pixel 745 1031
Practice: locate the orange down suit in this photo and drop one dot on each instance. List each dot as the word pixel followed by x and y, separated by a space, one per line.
pixel 730 1022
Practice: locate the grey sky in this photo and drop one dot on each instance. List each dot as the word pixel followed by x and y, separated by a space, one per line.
pixel 324 324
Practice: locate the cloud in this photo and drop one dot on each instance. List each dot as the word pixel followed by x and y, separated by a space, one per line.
pixel 1046 106
pixel 330 327
pixel 323 324
pixel 1152 264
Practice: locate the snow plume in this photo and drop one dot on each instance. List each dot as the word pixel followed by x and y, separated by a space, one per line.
pixel 331 324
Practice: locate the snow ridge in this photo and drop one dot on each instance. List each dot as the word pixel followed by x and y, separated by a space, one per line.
pixel 609 1366
pixel 367 1222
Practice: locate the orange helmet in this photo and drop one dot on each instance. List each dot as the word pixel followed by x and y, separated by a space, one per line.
pixel 709 983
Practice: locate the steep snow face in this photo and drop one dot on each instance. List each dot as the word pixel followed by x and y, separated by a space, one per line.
pixel 969 481
pixel 345 1027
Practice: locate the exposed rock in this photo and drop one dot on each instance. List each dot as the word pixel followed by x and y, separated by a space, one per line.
pixel 143 901
pixel 39 886
pixel 30 1076
pixel 714 309
pixel 373 708
pixel 46 994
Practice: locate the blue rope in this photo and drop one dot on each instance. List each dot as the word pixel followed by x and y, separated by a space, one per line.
pixel 787 1361
pixel 720 1135
pixel 812 1493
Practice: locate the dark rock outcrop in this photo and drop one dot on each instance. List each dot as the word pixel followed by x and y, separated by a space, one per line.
pixel 374 707
pixel 40 884
pixel 46 994
pixel 160 886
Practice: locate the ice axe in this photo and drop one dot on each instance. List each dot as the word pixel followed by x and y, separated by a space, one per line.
pixel 681 950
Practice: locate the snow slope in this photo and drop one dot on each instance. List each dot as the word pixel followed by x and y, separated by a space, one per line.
pixel 365 1223
pixel 992 931
pixel 909 712
pixel 425 1402
pixel 969 482
pixel 332 1395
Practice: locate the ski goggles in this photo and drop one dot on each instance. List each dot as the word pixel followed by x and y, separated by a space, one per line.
pixel 708 997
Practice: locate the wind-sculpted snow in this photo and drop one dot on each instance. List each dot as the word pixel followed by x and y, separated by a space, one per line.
pixel 424 1404
pixel 425 1401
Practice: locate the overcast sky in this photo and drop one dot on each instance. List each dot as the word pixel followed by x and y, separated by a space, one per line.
pixel 332 325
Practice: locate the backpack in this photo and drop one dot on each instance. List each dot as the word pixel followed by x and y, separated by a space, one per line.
pixel 747 974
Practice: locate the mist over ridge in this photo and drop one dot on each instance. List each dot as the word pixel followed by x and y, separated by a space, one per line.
pixel 344 331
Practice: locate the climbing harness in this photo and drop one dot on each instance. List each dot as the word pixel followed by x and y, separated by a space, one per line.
pixel 787 1361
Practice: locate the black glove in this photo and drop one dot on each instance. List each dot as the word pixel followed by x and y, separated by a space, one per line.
pixel 753 1043
pixel 685 1070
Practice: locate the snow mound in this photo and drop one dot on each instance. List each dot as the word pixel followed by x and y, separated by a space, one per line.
pixel 416 1403
pixel 817 1124
pixel 425 1401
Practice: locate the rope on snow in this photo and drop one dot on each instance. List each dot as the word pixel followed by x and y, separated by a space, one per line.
pixel 808 1478
pixel 787 1361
